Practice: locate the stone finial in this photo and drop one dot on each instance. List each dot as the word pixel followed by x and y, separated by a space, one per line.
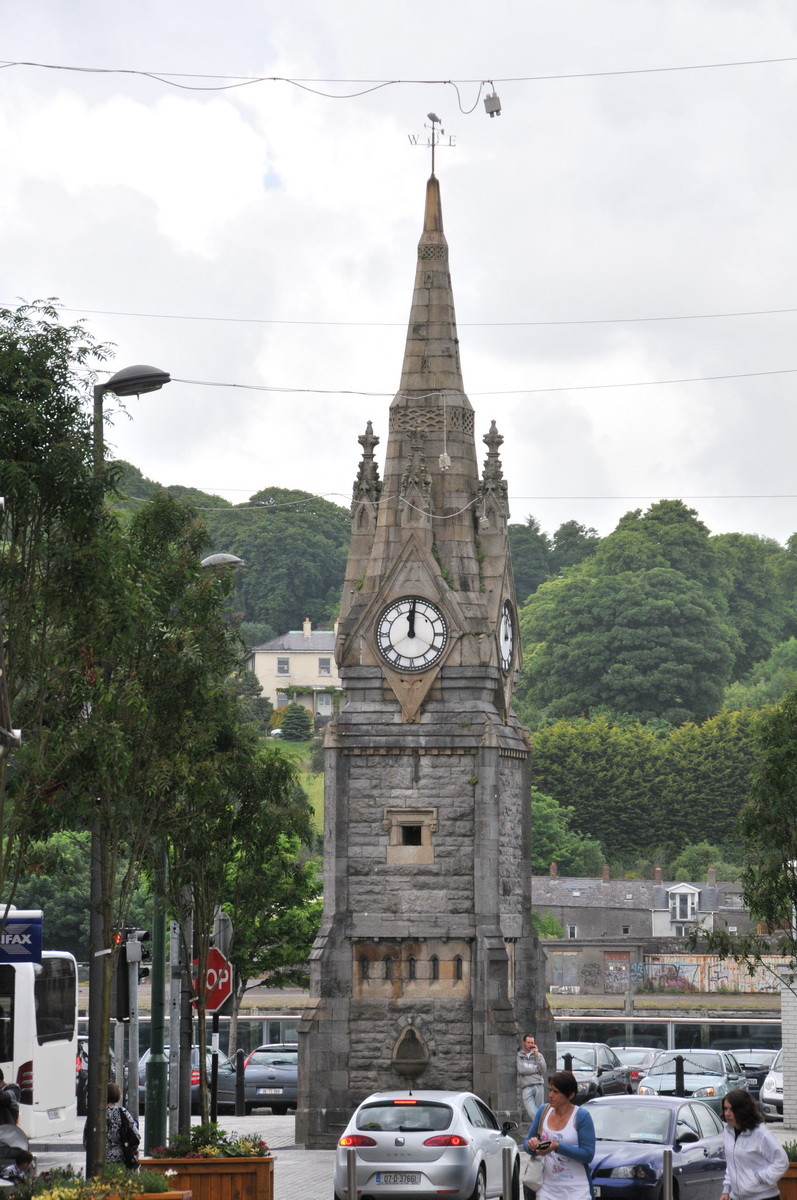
pixel 367 485
pixel 493 484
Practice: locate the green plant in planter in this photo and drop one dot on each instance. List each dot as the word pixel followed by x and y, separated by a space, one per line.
pixel 152 1181
pixel 791 1150
pixel 209 1141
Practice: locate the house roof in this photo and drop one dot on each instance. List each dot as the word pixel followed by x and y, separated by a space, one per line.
pixel 594 892
pixel 320 641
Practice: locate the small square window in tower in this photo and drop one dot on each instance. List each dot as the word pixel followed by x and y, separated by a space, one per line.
pixel 409 833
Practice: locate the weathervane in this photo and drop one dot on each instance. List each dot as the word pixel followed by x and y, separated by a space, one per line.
pixel 433 139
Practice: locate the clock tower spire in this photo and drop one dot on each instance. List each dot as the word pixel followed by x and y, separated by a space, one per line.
pixel 426 966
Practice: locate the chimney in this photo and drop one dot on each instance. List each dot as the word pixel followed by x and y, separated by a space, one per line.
pixel 606 874
pixel 307 628
pixel 657 878
pixel 712 877
pixel 552 870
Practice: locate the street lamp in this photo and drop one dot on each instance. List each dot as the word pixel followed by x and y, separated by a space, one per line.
pixel 131 381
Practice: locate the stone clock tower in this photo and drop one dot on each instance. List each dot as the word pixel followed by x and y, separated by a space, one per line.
pixel 426 968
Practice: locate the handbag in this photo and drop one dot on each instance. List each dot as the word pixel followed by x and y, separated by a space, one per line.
pixel 535 1167
pixel 129 1137
pixel 532 1176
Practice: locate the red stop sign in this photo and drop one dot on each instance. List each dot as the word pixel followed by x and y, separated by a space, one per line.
pixel 218 980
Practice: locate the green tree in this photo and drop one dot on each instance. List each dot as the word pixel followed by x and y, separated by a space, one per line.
pixel 297 723
pixel 572 544
pixel 769 682
pixel 553 840
pixel 692 864
pixel 531 556
pixel 756 608
pixel 547 925
pixel 649 643
pixel 47 574
pixel 707 776
pixel 295 546
pixel 608 775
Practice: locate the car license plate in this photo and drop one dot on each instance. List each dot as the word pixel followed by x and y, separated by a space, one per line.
pixel 269 1091
pixel 596 1192
pixel 398 1177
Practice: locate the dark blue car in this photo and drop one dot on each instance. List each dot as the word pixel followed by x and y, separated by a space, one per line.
pixel 632 1133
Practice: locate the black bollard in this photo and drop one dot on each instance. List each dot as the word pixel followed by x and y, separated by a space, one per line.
pixel 240 1100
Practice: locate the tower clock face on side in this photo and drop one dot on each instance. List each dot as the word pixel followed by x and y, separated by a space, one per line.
pixel 506 636
pixel 411 634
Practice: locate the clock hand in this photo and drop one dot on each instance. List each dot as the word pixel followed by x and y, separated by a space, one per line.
pixel 411 620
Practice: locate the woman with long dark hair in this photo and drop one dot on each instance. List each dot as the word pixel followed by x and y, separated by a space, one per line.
pixel 754 1158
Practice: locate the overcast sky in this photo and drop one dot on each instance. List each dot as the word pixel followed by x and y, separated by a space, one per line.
pixel 266 235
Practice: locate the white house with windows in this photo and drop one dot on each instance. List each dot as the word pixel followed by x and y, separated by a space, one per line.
pixel 299 665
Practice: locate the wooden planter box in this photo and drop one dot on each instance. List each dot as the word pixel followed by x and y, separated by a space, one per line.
pixel 218 1178
pixel 788 1183
pixel 163 1195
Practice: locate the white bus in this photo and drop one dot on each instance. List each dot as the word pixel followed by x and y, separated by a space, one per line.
pixel 38 1040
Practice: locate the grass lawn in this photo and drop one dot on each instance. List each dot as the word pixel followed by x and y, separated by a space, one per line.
pixel 312 781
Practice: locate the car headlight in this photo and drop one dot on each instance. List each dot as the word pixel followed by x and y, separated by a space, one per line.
pixel 769 1084
pixel 634 1171
pixel 585 1085
pixel 647 1090
pixel 706 1091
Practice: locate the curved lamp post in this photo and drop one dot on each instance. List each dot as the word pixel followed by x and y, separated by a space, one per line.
pixel 130 381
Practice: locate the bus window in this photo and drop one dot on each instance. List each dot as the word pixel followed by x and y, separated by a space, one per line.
pixel 6 1012
pixel 54 997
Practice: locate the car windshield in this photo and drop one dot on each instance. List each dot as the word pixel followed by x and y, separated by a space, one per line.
pixel 777 1064
pixel 583 1058
pixel 275 1058
pixel 632 1058
pixel 630 1123
pixel 405 1116
pixel 755 1058
pixel 696 1062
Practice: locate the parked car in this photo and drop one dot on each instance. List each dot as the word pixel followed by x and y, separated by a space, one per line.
pixel 638 1059
pixel 771 1095
pixel 226 1092
pixel 597 1069
pixel 270 1077
pixel 425 1143
pixel 708 1075
pixel 632 1134
pixel 82 1073
pixel 756 1065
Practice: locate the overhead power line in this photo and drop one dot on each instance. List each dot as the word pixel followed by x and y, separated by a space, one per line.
pixel 706 316
pixel 365 86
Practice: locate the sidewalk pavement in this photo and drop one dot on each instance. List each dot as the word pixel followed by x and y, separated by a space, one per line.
pixel 299 1174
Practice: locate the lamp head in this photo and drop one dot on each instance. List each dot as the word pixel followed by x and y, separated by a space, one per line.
pixel 134 381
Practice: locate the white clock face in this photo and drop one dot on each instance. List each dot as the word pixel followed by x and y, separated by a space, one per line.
pixel 506 636
pixel 411 634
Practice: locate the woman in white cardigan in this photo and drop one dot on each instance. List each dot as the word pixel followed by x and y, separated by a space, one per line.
pixel 754 1158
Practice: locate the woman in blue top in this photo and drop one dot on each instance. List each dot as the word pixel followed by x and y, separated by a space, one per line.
pixel 564 1137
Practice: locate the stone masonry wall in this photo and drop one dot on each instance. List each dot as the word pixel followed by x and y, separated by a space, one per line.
pixel 446 884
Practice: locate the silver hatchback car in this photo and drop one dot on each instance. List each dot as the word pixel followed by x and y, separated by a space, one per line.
pixel 419 1144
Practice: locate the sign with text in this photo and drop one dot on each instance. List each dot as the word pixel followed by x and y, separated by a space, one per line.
pixel 21 936
pixel 218 980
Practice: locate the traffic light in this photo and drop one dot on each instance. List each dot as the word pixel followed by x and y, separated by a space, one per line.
pixel 137 949
pixel 120 991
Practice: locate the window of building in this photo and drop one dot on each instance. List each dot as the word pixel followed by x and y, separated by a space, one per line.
pixel 626 929
pixel 435 965
pixel 683 905
pixel 283 666
pixel 365 968
pixel 387 964
pixel 323 703
pixel 411 835
pixel 411 966
pixel 458 967
pixel 325 666
pixel 282 699
pixel 571 931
